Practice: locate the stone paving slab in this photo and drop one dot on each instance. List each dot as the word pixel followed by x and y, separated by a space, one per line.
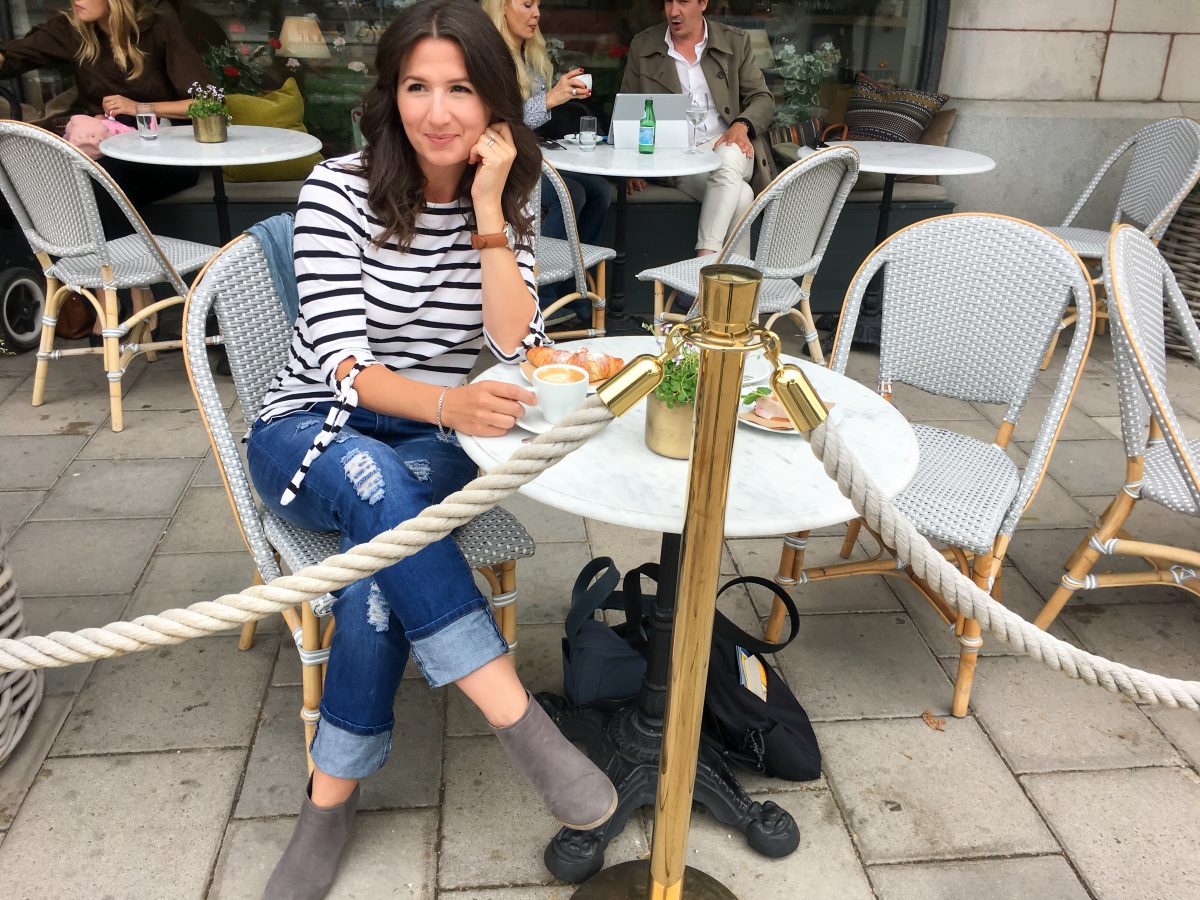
pixel 181 579
pixel 34 462
pixel 118 489
pixel 8 386
pixel 1043 721
pixel 20 769
pixel 545 524
pixel 46 614
pixel 527 892
pixel 544 582
pixel 62 412
pixel 204 521
pixel 1158 637
pixel 276 772
pixel 1085 466
pixel 859 666
pixel 825 863
pixel 981 879
pixel 391 855
pixel 135 823
pixel 204 693
pixel 1181 727
pixel 1131 833
pixel 15 507
pixel 153 434
pixel 910 793
pixel 164 385
pixel 494 830
pixel 1077 426
pixel 630 547
pixel 112 554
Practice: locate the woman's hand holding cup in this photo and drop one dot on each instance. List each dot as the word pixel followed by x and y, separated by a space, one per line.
pixel 574 84
pixel 485 408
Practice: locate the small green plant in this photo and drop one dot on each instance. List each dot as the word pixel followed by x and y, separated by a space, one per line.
pixel 802 76
pixel 207 100
pixel 678 387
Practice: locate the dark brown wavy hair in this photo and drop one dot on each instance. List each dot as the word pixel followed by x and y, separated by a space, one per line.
pixel 396 184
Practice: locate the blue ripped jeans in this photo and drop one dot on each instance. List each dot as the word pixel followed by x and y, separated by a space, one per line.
pixel 379 471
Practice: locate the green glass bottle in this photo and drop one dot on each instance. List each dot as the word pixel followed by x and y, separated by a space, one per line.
pixel 646 129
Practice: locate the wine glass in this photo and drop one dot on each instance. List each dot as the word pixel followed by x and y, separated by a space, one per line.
pixel 697 112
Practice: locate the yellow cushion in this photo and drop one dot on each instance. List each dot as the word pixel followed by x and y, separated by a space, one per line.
pixel 283 108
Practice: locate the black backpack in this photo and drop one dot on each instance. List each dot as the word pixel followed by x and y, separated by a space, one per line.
pixel 758 726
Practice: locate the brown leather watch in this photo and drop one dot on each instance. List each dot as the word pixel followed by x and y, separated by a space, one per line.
pixel 506 238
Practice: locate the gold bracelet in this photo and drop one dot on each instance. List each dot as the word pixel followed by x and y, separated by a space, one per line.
pixel 438 418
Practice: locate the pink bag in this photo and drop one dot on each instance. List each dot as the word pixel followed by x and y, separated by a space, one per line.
pixel 86 132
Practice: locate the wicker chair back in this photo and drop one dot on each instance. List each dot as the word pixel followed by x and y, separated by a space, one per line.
pixel 799 210
pixel 48 183
pixel 579 272
pixel 1141 287
pixel 1163 169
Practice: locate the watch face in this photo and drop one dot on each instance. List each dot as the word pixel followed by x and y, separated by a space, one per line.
pixel 510 236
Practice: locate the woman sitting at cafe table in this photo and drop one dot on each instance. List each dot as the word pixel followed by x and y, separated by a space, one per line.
pixel 122 54
pixel 409 257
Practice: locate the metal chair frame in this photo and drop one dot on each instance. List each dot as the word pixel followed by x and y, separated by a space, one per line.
pixel 582 257
pixel 973 300
pixel 799 210
pixel 1161 465
pixel 48 183
pixel 237 286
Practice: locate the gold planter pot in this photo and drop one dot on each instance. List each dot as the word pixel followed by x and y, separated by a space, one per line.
pixel 211 129
pixel 669 431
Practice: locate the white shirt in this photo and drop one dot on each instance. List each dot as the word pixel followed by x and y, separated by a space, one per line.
pixel 692 80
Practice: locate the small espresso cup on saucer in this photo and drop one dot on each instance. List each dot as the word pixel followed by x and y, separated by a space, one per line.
pixel 560 388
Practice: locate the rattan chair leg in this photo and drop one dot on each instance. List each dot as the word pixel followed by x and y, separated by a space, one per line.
pixel 508 627
pixel 810 331
pixel 852 531
pixel 970 640
pixel 142 297
pixel 791 568
pixel 659 306
pixel 246 639
pixel 55 292
pixel 112 352
pixel 310 712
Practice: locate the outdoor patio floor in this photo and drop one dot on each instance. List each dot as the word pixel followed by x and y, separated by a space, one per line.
pixel 178 772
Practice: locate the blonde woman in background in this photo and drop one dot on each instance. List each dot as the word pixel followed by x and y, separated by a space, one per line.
pixel 121 54
pixel 519 23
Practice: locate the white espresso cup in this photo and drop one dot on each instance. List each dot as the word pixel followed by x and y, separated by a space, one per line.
pixel 586 78
pixel 560 388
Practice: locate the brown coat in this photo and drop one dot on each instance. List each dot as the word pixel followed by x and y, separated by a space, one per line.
pixel 735 83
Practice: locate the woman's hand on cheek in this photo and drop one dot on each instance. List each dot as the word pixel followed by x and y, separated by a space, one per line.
pixel 493 153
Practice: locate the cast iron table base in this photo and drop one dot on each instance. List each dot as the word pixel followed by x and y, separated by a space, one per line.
pixel 626 745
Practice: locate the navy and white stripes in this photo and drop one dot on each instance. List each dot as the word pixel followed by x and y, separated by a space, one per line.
pixel 419 312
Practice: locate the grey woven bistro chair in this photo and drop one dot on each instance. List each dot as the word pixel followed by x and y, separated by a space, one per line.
pixel 48 184
pixel 973 300
pixel 1161 464
pixel 237 286
pixel 560 260
pixel 799 210
pixel 1164 166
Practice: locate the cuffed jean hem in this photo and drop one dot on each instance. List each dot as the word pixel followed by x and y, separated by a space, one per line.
pixel 345 755
pixel 459 648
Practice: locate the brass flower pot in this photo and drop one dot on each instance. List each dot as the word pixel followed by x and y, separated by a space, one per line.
pixel 669 430
pixel 211 129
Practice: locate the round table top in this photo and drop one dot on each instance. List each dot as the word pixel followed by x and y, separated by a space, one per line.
pixel 606 160
pixel 247 145
pixel 777 484
pixel 895 158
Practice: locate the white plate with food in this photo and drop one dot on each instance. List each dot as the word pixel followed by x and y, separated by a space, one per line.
pixel 599 366
pixel 761 410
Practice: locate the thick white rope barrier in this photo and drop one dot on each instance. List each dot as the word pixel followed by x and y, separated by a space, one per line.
pixel 909 546
pixel 62 648
pixel 177 625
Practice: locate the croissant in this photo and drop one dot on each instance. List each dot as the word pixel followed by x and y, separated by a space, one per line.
pixel 599 366
pixel 545 356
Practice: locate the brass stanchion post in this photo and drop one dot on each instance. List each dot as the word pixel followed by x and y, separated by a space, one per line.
pixel 727 304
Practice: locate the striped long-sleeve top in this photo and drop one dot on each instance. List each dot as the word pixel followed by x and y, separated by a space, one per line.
pixel 419 312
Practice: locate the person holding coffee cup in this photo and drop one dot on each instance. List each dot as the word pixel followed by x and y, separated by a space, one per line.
pixel 518 22
pixel 409 257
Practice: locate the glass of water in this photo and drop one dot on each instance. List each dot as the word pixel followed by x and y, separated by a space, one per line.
pixel 697 112
pixel 147 122
pixel 587 133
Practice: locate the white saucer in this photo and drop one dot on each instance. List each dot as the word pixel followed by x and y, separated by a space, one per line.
pixel 533 420
pixel 756 369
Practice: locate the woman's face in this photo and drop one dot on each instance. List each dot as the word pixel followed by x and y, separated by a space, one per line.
pixel 442 114
pixel 90 10
pixel 522 17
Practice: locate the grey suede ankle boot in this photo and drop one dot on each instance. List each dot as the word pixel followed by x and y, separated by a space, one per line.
pixel 569 784
pixel 309 864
